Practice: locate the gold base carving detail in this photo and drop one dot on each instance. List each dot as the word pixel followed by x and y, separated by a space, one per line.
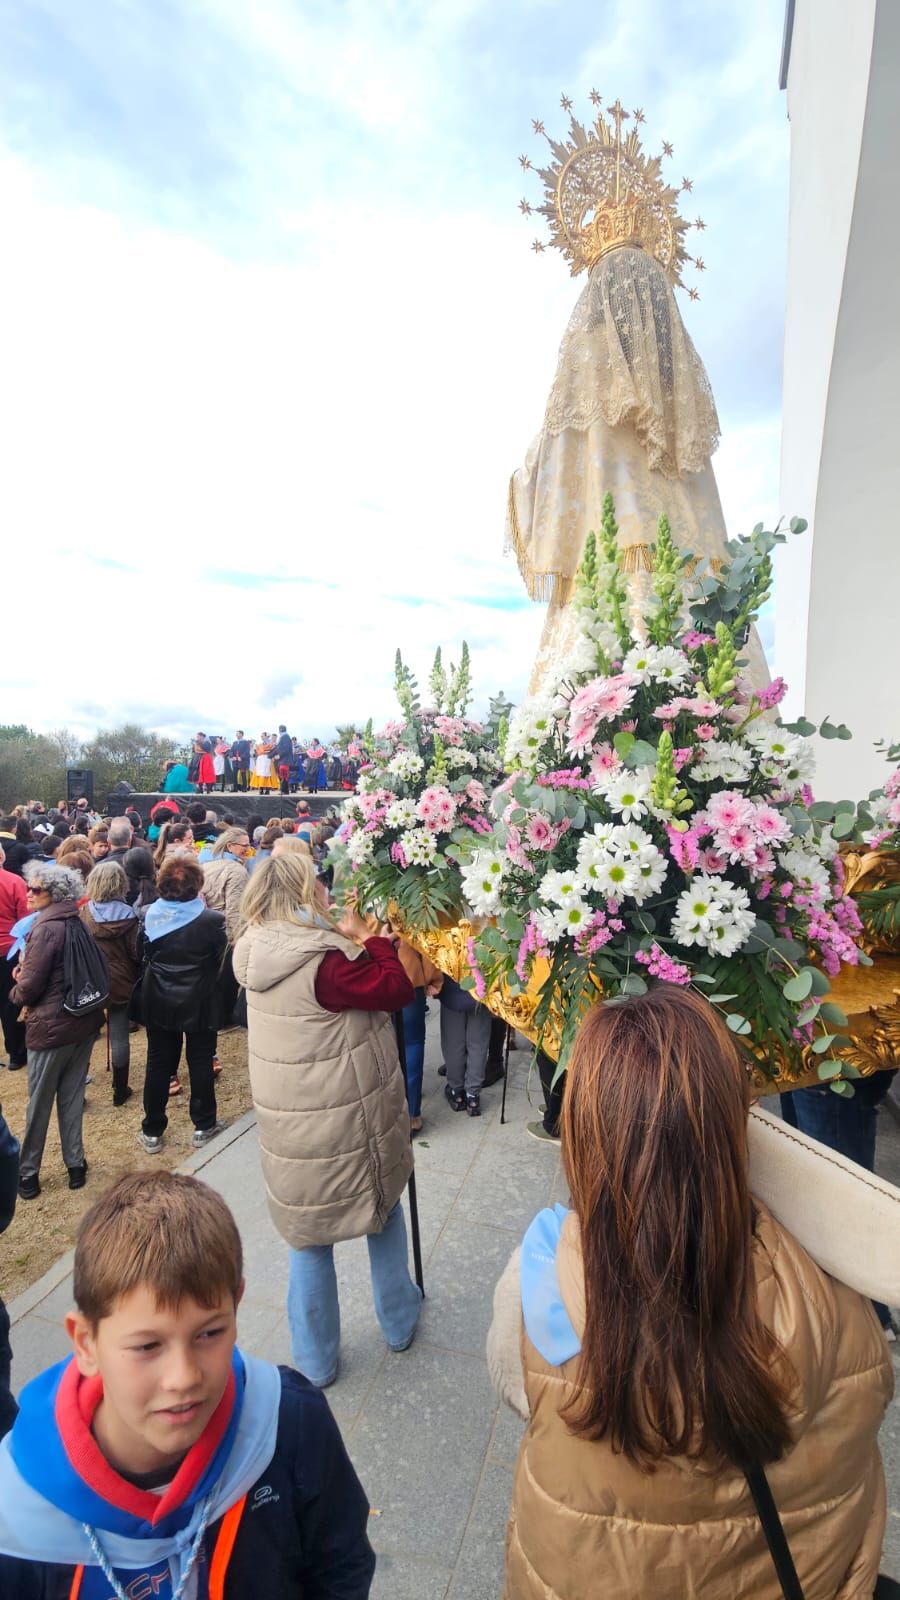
pixel 870 997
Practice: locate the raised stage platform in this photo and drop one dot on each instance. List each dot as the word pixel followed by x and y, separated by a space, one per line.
pixel 238 805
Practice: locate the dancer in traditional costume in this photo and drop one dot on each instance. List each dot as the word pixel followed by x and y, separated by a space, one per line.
pixel 631 410
pixel 263 775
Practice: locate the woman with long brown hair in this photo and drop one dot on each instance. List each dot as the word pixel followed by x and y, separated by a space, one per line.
pixel 667 1333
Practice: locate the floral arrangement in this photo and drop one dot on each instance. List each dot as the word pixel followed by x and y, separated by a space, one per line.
pixel 657 822
pixel 422 799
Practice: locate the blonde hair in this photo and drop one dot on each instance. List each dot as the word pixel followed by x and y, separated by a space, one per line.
pixel 228 838
pixel 289 841
pixel 282 889
pixel 107 881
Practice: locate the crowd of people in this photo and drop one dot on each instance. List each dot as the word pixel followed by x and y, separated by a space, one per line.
pixel 668 1344
pixel 272 763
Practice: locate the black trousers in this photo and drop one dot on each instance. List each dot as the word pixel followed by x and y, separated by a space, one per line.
pixel 13 1029
pixel 163 1056
pixel 553 1098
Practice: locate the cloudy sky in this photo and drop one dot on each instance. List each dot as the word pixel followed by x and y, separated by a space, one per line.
pixel 274 337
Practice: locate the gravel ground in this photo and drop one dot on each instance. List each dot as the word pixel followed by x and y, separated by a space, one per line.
pixel 43 1229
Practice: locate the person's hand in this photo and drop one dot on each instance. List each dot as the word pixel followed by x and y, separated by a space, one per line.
pixel 353 926
pixel 435 986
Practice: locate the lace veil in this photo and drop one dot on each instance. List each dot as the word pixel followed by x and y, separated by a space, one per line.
pixel 627 357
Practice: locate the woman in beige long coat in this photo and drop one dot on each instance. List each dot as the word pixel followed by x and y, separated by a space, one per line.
pixel 330 1102
pixel 667 1332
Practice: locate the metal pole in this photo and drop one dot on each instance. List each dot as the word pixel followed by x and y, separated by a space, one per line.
pixel 505 1073
pixel 413 1197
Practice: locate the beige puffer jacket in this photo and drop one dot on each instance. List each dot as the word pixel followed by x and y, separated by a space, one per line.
pixel 327 1089
pixel 224 882
pixel 586 1521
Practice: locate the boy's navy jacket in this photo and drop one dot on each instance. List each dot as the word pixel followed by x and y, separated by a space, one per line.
pixel 302 1531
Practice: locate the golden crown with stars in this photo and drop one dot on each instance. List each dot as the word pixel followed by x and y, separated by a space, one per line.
pixel 603 192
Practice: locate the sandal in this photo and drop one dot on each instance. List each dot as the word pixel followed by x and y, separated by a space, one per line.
pixel 415 1125
pixel 217 1066
pixel 456 1098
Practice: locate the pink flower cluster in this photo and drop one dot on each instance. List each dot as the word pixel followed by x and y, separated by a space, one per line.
pixel 598 701
pixel 663 967
pixel 531 944
pixel 743 831
pixel 696 707
pixel 605 763
pixel 398 855
pixel 598 932
pixel 475 793
pixel 833 932
pixel 451 729
pixel 772 696
pixel 437 808
pixel 692 640
pixel 477 974
pixel 565 778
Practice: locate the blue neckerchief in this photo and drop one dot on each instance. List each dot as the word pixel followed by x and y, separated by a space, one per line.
pixel 19 933
pixel 111 911
pixel 166 916
pixel 547 1322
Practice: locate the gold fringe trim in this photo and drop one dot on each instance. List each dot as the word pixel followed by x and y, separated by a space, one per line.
pixel 541 586
pixel 639 558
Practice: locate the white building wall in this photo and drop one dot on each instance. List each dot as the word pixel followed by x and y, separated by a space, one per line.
pixel 837 638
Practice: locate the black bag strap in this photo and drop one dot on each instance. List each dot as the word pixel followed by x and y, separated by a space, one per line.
pixel 776 1539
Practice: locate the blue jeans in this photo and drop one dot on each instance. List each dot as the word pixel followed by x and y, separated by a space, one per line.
pixel 846 1125
pixel 414 1040
pixel 314 1314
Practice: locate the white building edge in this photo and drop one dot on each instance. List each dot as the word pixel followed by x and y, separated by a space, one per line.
pixel 838 589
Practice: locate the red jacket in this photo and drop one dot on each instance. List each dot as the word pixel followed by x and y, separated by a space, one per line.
pixel 13 905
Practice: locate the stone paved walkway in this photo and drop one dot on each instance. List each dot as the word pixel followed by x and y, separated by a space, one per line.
pixel 434 1449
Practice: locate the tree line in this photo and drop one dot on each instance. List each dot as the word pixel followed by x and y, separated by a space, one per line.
pixel 33 765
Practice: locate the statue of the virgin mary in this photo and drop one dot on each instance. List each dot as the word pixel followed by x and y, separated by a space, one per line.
pixel 631 409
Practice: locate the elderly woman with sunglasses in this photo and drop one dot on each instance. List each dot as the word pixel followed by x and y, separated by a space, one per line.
pixel 59 1045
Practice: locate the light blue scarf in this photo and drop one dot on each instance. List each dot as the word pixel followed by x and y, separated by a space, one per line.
pixel 111 911
pixel 20 931
pixel 166 916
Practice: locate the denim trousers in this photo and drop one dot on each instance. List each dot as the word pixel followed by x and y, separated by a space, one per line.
pixel 846 1125
pixel 414 1042
pixel 314 1314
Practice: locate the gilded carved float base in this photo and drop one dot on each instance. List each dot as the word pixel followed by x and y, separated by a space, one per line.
pixel 870 997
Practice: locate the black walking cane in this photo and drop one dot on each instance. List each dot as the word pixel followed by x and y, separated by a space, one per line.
pixel 413 1197
pixel 506 1048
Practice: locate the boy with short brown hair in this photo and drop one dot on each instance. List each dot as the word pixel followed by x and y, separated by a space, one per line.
pixel 159 1459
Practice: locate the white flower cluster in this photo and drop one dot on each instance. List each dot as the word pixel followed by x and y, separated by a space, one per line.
pixel 531 726
pixel 360 846
pixel 627 793
pixel 646 663
pixel 419 846
pixel 806 868
pixel 482 880
pixel 455 757
pixel 621 862
pixel 722 762
pixel 400 814
pixel 784 757
pixel 406 764
pixel 714 914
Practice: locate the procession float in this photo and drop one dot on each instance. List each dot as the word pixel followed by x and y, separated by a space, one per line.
pixel 644 816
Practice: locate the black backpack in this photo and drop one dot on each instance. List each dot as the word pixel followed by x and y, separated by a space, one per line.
pixel 84 971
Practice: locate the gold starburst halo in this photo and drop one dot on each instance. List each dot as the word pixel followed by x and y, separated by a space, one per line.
pixel 603 191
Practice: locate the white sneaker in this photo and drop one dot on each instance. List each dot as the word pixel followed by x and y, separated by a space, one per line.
pixel 152 1143
pixel 203 1136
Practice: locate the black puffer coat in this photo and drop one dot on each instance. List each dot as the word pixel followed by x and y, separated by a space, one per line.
pixel 181 975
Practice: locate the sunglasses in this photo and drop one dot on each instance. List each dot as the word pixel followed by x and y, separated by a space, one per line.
pixel 40 890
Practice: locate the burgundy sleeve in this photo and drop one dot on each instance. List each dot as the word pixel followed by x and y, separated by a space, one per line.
pixel 375 981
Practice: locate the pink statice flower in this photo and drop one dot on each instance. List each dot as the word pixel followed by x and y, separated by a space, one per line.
pixel 594 935
pixel 771 696
pixel 692 640
pixel 532 944
pixel 892 786
pixel 398 855
pixel 682 756
pixel 477 974
pixel 662 966
pixel 477 824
